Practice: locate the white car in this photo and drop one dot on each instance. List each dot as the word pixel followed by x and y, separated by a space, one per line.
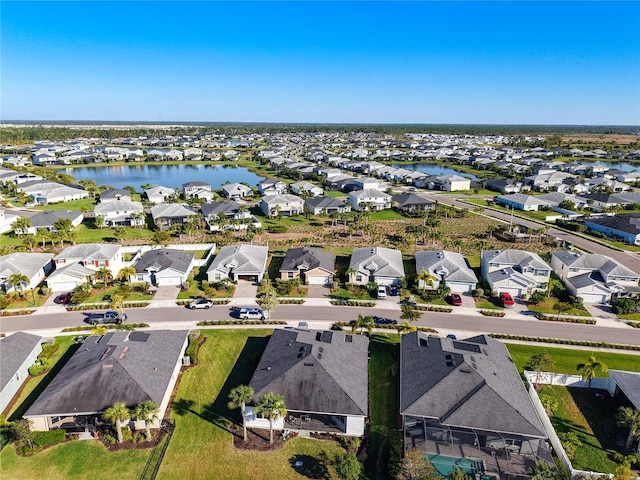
pixel 201 303
pixel 253 314
pixel 382 292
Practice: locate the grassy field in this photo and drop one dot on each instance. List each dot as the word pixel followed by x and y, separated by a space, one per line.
pixel 546 306
pixel 202 444
pixel 487 303
pixel 104 295
pixel 566 359
pixel 85 203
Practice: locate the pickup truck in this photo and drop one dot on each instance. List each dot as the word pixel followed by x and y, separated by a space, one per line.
pixel 110 316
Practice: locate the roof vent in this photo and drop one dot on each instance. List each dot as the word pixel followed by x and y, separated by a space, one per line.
pixel 465 370
pixel 348 338
pixel 308 364
pixel 423 342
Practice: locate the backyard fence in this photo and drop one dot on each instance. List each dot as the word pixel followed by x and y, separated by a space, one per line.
pixel 566 380
pixel 157 452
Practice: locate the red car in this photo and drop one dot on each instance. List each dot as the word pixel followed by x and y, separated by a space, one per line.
pixel 456 299
pixel 64 298
pixel 506 300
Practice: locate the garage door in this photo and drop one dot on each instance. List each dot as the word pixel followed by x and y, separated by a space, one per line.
pixel 319 280
pixel 593 298
pixel 515 292
pixel 460 287
pixel 163 281
pixel 62 286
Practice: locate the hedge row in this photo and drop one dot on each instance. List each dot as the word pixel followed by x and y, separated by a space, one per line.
pixel 550 318
pixel 385 326
pixel 562 341
pixel 633 324
pixel 103 306
pixel 353 303
pixel 492 313
pixel 290 301
pixel 108 326
pixel 241 322
pixel 433 308
pixel 51 437
pixel 17 312
pixel 215 301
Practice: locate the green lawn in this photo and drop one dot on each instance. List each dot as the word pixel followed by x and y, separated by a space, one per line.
pixel 27 300
pixel 487 303
pixel 384 401
pixel 198 254
pixel 335 193
pixel 386 215
pixel 85 233
pixel 104 295
pixel 85 203
pixel 34 386
pixel 202 443
pixel 195 283
pixel 546 306
pixel 566 359
pixel 630 316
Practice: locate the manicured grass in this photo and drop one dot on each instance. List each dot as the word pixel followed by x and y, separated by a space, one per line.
pixel 335 193
pixel 195 287
pixel 86 234
pixel 86 203
pixel 630 316
pixel 384 400
pixel 34 386
pixel 386 215
pixel 198 254
pixel 546 306
pixel 86 459
pixel 591 419
pixel 10 240
pixel 202 443
pixel 487 304
pixel 566 359
pixel 104 295
pixel 27 300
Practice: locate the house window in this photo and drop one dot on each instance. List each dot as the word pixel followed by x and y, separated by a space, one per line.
pixel 358 278
pixel 216 276
pixel 290 275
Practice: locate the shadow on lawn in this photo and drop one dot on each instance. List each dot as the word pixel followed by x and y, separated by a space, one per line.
pixel 217 412
pixel 310 467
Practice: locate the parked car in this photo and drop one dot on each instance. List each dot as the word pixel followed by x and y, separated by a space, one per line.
pixel 456 299
pixel 304 325
pixel 64 298
pixel 452 336
pixel 110 316
pixel 382 292
pixel 251 313
pixel 200 303
pixel 393 291
pixel 507 300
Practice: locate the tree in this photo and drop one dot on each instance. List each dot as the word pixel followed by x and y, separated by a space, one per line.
pixel 589 369
pixel 117 414
pixel 103 274
pixel 30 242
pixel 18 281
pixel 347 466
pixel 428 279
pixel 544 471
pixel 161 237
pixel 125 274
pixel 363 322
pixel 459 474
pixel 268 301
pixel 238 398
pixel 630 417
pixel 415 466
pixel 549 403
pixel 561 307
pixel 20 225
pixel 409 313
pixel 147 411
pixel 100 221
pixel 22 432
pixel 405 327
pixel 117 303
pixel 119 233
pixel 540 362
pixel 570 442
pixel 271 406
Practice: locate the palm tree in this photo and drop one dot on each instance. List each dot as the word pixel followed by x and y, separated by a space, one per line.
pixel 271 406
pixel 44 235
pixel 117 414
pixel 104 275
pixel 428 278
pixel 147 411
pixel 20 225
pixel 409 313
pixel 363 322
pixel 351 274
pixel 126 273
pixel 18 281
pixel 589 369
pixel 630 417
pixel 238 398
pixel 405 327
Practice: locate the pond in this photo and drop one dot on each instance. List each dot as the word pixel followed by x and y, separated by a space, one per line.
pixel 433 169
pixel 173 176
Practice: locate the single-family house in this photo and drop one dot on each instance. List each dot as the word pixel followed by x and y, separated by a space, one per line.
pixel 120 213
pixel 453 183
pixel 165 215
pixel 411 202
pixel 504 185
pixel 197 189
pixel 322 376
pixel 47 218
pixel 239 262
pixel 593 277
pixel 443 266
pixel 521 201
pixel 370 200
pixel 93 256
pixel 326 205
pixel 17 353
pixel 281 204
pixel 236 191
pixel 159 194
pixel 35 266
pixel 626 227
pixel 272 186
pixel 311 265
pixel 306 189
pixel 66 278
pixel 164 266
pixel 376 264
pixel 228 215
pixel 517 272
pixel 464 405
pixel 367 183
pixel 115 194
pixel 6 220
pixel 44 158
pixel 128 367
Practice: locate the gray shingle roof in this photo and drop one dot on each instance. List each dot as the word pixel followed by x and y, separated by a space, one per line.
pixel 118 206
pixel 629 383
pixel 171 210
pixel 163 259
pixel 593 261
pixel 26 263
pixel 47 218
pixel 128 367
pixel 386 262
pixel 315 371
pixel 228 208
pixel 623 223
pixel 14 350
pixel 309 258
pixel 242 259
pixel 468 383
pixel 516 257
pixel 454 264
pixel 76 270
pixel 409 199
pixel 90 251
pixel 325 202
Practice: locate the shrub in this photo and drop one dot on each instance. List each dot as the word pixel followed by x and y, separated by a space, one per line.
pixel 277 229
pixel 39 367
pixel 99 285
pixel 48 350
pixel 537 297
pixel 477 292
pixel 492 313
pixel 5 301
pixel 141 287
pixel 51 437
pixel 110 439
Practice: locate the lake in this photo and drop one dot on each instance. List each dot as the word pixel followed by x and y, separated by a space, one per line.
pixel 433 169
pixel 166 175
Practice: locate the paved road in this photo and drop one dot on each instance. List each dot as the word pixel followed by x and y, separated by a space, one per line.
pixel 440 321
pixel 629 259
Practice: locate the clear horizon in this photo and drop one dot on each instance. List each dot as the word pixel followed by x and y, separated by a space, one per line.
pixel 362 63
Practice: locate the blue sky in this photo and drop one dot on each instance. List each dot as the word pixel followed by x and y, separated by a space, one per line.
pixel 363 62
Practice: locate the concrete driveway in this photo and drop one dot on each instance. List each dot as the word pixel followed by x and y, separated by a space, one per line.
pixel 245 294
